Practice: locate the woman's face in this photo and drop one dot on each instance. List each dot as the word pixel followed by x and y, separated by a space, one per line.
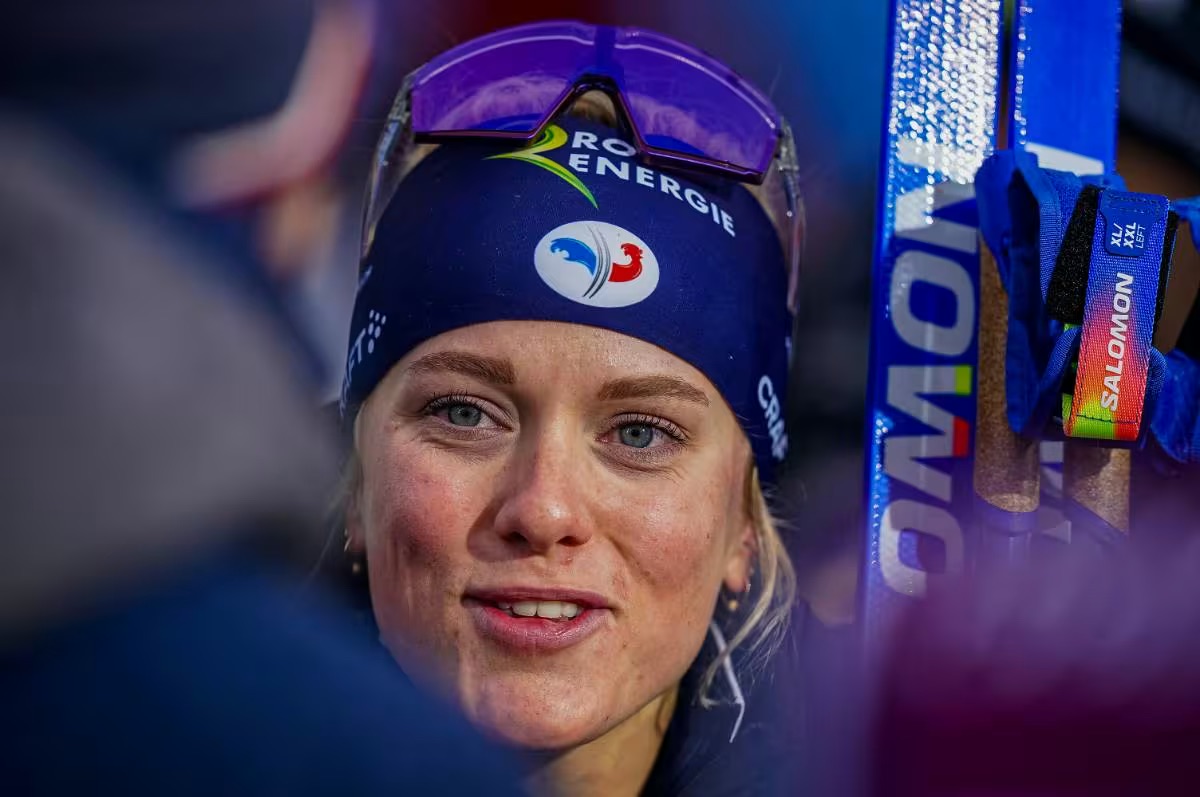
pixel 575 474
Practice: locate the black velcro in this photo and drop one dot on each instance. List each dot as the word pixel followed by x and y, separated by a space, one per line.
pixel 1164 271
pixel 1189 338
pixel 1066 295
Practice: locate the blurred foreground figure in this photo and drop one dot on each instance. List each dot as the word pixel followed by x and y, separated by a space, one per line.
pixel 1072 679
pixel 161 464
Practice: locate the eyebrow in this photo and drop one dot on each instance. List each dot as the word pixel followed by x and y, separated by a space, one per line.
pixel 635 387
pixel 487 369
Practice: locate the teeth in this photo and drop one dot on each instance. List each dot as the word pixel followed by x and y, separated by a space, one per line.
pixel 549 610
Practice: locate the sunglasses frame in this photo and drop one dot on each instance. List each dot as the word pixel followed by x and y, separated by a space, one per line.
pixel 398 137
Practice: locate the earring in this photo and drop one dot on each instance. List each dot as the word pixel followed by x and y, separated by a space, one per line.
pixel 731 604
pixel 356 564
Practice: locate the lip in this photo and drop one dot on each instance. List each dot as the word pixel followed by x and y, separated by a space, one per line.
pixel 536 634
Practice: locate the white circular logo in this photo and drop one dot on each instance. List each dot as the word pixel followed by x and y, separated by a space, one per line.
pixel 597 264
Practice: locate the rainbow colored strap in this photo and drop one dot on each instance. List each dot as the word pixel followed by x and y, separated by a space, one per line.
pixel 1120 315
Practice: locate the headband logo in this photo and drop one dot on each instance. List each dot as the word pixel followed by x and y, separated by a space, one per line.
pixel 597 264
pixel 552 138
pixel 368 334
pixel 773 415
pixel 615 157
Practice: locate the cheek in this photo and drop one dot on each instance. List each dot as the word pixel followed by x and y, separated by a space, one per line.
pixel 417 519
pixel 410 511
pixel 680 548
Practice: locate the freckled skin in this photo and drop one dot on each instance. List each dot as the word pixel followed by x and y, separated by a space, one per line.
pixel 542 488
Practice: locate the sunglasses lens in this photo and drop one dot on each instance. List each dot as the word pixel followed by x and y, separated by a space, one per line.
pixel 720 118
pixel 507 82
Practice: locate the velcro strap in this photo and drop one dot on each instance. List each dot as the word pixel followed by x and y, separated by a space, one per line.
pixel 1176 423
pixel 1189 337
pixel 1133 236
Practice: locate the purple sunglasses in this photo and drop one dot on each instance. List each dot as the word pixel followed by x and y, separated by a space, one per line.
pixel 552 64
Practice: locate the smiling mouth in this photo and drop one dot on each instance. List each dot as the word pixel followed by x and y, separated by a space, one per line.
pixel 537 621
pixel 547 610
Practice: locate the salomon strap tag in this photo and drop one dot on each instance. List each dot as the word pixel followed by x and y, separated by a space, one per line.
pixel 1133 236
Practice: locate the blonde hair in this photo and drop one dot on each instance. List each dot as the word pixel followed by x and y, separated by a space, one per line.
pixel 761 627
pixel 764 625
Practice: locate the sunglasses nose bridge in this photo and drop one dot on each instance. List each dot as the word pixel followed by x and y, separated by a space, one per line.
pixel 592 80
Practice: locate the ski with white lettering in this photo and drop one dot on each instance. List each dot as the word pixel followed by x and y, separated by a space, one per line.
pixel 940 123
pixel 937 426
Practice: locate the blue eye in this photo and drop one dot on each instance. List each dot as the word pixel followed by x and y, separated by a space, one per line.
pixel 636 435
pixel 463 414
pixel 461 411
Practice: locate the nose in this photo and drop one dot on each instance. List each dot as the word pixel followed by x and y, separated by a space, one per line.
pixel 543 501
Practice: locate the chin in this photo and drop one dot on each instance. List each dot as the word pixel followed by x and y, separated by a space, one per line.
pixel 538 719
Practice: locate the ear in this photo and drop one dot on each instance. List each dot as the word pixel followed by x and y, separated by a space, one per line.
pixel 353 488
pixel 356 539
pixel 356 536
pixel 742 549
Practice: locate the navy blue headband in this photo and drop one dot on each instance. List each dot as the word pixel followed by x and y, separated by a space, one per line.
pixel 574 229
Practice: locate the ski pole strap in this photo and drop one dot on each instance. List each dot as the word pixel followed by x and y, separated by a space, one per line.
pixel 1126 270
pixel 1175 425
pixel 1073 290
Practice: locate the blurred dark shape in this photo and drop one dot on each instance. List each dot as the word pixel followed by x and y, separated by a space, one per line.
pixel 1160 75
pixel 135 79
pixel 1159 152
pixel 1076 677
pixel 165 467
pixel 146 403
